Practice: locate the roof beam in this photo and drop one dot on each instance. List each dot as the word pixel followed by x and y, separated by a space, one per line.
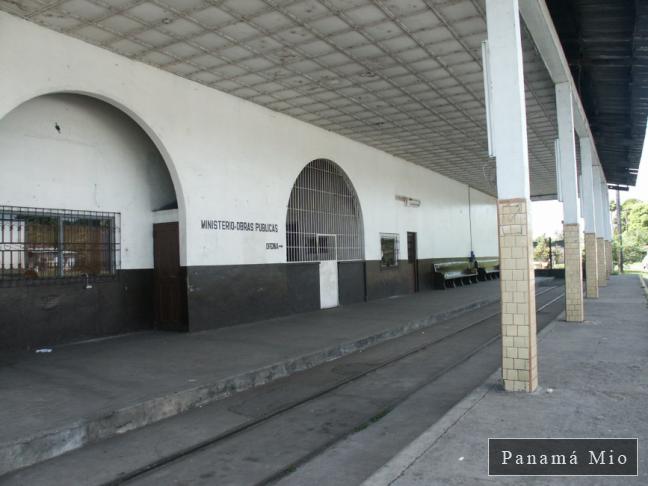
pixel 538 21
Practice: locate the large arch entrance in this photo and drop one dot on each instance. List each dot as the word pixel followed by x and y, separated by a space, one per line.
pixel 324 224
pixel 82 187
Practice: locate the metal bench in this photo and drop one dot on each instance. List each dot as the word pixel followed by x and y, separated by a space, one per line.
pixel 453 273
pixel 488 268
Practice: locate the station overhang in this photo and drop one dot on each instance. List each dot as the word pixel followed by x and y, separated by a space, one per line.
pixel 606 46
pixel 403 77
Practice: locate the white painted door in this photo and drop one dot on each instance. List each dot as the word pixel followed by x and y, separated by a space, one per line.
pixel 327 253
pixel 328 284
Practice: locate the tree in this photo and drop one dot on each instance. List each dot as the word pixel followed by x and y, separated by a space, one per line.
pixel 634 225
pixel 541 249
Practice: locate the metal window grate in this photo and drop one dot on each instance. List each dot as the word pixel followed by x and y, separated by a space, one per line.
pixel 39 244
pixel 324 221
pixel 389 250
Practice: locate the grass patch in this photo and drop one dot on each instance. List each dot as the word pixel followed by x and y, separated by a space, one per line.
pixel 372 420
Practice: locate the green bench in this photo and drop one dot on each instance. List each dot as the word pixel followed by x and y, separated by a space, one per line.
pixel 454 273
pixel 488 268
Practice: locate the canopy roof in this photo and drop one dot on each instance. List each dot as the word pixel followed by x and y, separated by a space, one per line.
pixel 606 44
pixel 401 76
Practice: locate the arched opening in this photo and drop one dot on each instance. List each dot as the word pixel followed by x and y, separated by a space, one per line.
pixel 324 219
pixel 82 186
pixel 324 224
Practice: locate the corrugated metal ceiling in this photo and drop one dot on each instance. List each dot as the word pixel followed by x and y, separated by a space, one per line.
pixel 606 44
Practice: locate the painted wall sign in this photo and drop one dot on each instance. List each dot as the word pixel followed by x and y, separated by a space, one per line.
pixel 228 225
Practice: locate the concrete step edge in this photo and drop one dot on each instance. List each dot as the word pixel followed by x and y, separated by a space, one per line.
pixel 31 450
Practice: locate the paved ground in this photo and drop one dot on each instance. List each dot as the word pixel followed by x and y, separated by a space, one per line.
pixel 352 460
pixel 263 433
pixel 594 383
pixel 49 399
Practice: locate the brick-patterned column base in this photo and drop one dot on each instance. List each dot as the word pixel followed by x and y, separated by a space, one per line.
pixel 574 311
pixel 517 281
pixel 602 270
pixel 591 266
pixel 608 255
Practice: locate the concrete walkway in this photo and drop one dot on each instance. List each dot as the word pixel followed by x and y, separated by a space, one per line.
pixel 593 383
pixel 78 394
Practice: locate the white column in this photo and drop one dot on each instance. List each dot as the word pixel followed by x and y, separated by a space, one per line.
pixel 508 106
pixel 589 214
pixel 598 201
pixel 600 227
pixel 567 147
pixel 587 185
pixel 568 173
pixel 607 228
pixel 509 138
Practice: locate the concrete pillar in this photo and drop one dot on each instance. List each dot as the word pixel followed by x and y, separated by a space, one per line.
pixel 602 266
pixel 608 254
pixel 509 143
pixel 589 214
pixel 607 229
pixel 574 311
pixel 591 266
pixel 600 243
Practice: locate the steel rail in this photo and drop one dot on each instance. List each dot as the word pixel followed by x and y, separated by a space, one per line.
pixel 207 443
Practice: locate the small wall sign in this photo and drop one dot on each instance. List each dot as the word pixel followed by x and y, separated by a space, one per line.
pixel 229 225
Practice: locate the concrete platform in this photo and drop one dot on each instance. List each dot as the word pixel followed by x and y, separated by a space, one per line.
pixel 79 394
pixel 593 383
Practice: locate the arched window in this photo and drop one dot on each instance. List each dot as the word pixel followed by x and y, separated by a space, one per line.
pixel 324 220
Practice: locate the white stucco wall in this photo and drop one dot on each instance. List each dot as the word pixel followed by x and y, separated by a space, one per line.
pixel 99 161
pixel 484 221
pixel 232 160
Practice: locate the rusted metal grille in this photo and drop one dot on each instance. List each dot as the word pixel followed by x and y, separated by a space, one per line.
pixel 51 244
pixel 389 250
pixel 324 221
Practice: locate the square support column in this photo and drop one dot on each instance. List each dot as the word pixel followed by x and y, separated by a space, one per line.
pixel 589 214
pixel 505 85
pixel 607 229
pixel 600 223
pixel 574 310
pixel 602 263
pixel 517 276
pixel 591 266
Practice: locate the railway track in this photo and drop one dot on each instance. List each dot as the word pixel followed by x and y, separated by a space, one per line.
pixel 276 440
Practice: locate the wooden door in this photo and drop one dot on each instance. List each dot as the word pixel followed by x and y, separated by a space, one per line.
pixel 170 282
pixel 412 259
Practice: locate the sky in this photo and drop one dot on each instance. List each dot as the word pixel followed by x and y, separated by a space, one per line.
pixel 547 215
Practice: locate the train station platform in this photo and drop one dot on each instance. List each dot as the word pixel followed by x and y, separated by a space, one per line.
pixel 61 399
pixel 592 384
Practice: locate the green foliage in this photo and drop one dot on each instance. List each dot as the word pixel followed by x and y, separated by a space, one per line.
pixel 541 249
pixel 634 224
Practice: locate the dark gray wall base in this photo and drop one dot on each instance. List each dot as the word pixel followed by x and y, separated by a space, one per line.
pixel 226 295
pixel 351 282
pixel 385 282
pixel 48 314
pixel 426 269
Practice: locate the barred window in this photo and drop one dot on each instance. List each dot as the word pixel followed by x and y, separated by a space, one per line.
pixel 323 221
pixel 47 244
pixel 388 250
